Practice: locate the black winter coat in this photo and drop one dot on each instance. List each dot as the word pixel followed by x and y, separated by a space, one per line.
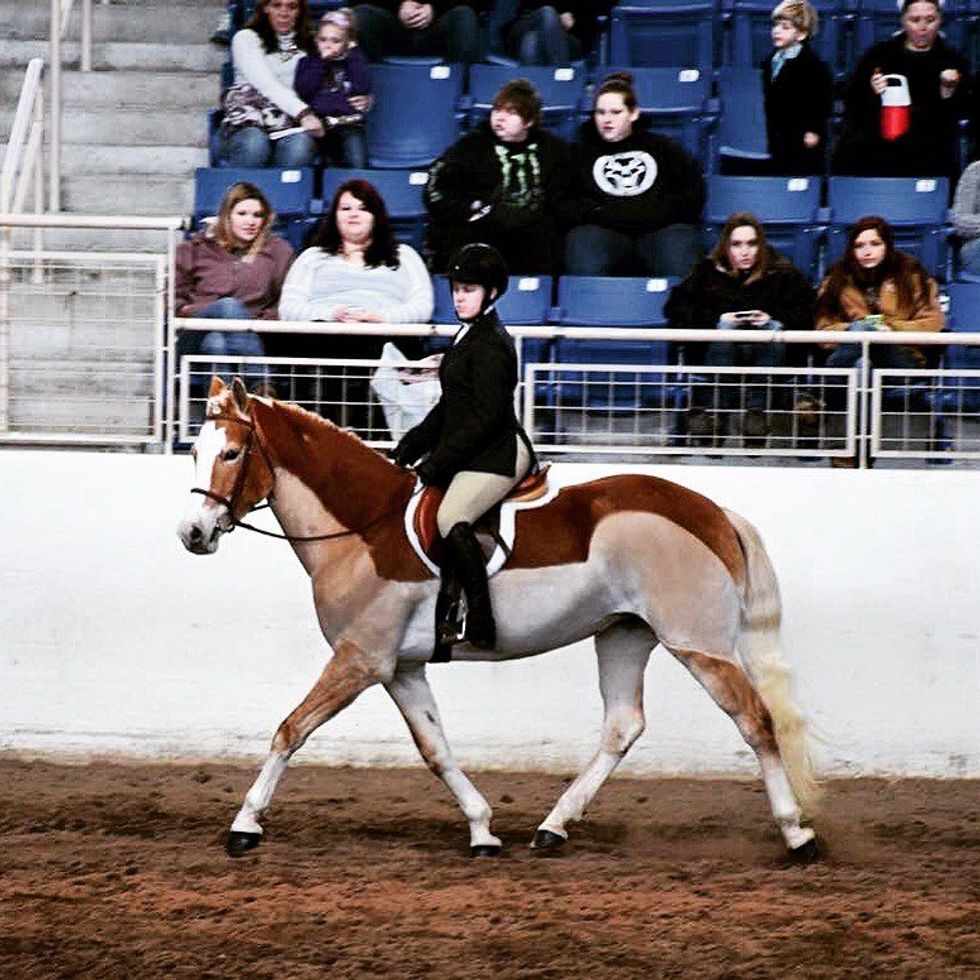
pixel 473 425
pixel 798 100
pixel 698 302
pixel 642 183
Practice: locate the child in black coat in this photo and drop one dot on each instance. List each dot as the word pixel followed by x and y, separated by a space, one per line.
pixel 798 91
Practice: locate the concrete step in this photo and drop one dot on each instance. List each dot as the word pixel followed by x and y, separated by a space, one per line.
pixel 129 88
pixel 96 412
pixel 147 194
pixel 97 239
pixel 116 22
pixel 106 160
pixel 127 127
pixel 122 55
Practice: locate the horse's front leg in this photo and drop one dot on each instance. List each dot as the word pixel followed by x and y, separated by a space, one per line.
pixel 350 671
pixel 410 690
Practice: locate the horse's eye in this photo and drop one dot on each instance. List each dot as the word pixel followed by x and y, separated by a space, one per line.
pixel 230 455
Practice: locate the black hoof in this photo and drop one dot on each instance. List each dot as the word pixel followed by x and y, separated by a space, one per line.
pixel 484 850
pixel 807 853
pixel 547 843
pixel 239 843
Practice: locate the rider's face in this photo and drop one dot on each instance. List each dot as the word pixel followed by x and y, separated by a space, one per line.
pixel 467 299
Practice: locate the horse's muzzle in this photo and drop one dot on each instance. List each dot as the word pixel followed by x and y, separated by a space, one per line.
pixel 199 534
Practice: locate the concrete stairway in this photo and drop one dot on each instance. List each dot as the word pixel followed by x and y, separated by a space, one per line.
pixel 133 129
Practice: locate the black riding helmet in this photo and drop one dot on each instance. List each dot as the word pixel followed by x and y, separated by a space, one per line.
pixel 480 265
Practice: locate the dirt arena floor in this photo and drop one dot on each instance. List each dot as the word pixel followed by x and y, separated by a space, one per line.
pixel 118 871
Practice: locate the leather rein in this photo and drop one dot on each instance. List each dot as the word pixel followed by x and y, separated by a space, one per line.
pixel 231 501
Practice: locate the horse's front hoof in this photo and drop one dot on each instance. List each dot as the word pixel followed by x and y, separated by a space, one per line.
pixel 484 850
pixel 240 843
pixel 547 843
pixel 807 853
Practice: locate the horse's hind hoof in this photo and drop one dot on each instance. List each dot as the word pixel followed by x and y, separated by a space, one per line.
pixel 240 843
pixel 547 843
pixel 807 853
pixel 484 850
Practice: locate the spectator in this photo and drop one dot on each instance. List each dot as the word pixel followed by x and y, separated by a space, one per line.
pixel 234 270
pixel 336 85
pixel 744 282
pixel 966 218
pixel 505 184
pixel 542 33
pixel 797 91
pixel 261 105
pixel 354 272
pixel 641 194
pixel 407 27
pixel 937 78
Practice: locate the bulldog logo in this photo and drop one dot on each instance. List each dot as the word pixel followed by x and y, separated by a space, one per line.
pixel 625 174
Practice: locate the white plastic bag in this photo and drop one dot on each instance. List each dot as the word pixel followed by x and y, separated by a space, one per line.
pixel 406 389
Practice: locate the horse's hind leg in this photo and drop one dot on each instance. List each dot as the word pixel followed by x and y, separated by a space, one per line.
pixel 728 684
pixel 349 672
pixel 410 690
pixel 623 650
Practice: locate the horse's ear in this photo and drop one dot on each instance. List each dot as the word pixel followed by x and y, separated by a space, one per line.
pixel 241 395
pixel 217 386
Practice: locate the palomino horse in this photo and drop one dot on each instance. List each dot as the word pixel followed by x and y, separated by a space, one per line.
pixel 631 560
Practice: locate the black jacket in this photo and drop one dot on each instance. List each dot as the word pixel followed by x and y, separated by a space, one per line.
pixel 642 183
pixel 798 100
pixel 473 425
pixel 698 302
pixel 482 189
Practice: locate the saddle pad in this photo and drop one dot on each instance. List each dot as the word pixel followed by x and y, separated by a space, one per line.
pixel 507 528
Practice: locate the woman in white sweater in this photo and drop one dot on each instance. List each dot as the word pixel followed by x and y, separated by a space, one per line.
pixel 261 102
pixel 354 272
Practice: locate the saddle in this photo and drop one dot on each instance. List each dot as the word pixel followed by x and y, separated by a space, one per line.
pixel 487 528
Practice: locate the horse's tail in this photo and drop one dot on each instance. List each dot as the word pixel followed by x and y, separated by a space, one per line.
pixel 762 656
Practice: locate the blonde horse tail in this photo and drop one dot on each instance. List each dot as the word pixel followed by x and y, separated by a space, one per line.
pixel 762 656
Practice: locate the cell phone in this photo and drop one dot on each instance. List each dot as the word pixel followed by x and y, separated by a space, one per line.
pixel 744 314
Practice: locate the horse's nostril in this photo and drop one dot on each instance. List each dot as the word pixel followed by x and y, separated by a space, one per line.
pixel 196 534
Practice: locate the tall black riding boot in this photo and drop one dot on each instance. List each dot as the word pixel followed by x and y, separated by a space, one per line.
pixel 466 556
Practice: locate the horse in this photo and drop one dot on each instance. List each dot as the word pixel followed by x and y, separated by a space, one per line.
pixel 629 560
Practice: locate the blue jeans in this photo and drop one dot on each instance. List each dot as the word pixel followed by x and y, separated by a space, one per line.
pixel 737 390
pixel 454 36
pixel 887 356
pixel 220 343
pixel 594 251
pixel 970 257
pixel 251 147
pixel 345 146
pixel 538 38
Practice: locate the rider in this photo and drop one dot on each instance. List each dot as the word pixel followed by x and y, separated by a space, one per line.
pixel 477 449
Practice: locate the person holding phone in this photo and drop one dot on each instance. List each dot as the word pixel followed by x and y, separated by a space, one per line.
pixel 743 283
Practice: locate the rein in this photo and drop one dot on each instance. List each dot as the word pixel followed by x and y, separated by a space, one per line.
pixel 230 501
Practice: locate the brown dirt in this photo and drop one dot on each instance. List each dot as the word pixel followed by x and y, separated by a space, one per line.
pixel 118 870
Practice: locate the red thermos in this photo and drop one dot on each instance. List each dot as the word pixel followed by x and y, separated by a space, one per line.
pixel 896 107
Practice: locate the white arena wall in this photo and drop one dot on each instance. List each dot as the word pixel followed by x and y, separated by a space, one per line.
pixel 117 642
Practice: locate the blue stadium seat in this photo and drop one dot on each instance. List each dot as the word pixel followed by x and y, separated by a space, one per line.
pixel 962 395
pixel 415 116
pixel 607 301
pixel 561 91
pixel 677 101
pixel 739 143
pixel 916 208
pixel 289 192
pixel 749 38
pixel 664 33
pixel 401 191
pixel 788 208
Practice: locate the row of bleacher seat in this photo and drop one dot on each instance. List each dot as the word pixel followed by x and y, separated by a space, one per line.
pixel 808 227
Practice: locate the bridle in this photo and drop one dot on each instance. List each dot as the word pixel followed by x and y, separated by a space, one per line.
pixel 231 501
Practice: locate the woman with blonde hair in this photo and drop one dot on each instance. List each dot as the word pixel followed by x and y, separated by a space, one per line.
pixel 233 269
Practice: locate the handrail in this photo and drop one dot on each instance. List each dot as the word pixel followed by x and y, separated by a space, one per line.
pixel 27 129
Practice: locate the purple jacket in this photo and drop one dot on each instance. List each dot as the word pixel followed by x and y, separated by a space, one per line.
pixel 325 85
pixel 207 272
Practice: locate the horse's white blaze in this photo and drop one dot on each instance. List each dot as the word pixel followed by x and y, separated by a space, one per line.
pixel 198 529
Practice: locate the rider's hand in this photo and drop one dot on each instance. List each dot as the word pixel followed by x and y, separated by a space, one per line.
pixel 427 472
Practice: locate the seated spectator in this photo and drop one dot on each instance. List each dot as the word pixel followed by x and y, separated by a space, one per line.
pixel 505 184
pixel 233 270
pixel 444 28
pixel 261 105
pixel 744 282
pixel 544 34
pixel 966 218
pixel 919 141
pixel 354 272
pixel 336 84
pixel 798 92
pixel 640 194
